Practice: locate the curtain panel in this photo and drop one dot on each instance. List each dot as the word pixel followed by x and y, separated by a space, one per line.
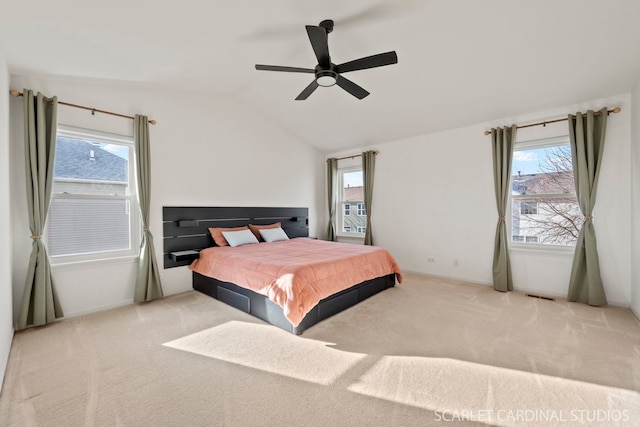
pixel 587 135
pixel 148 286
pixel 40 303
pixel 502 144
pixel 332 194
pixel 368 168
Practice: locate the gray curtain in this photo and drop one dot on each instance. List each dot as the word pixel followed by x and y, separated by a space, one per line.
pixel 148 286
pixel 40 303
pixel 332 193
pixel 587 143
pixel 368 168
pixel 502 143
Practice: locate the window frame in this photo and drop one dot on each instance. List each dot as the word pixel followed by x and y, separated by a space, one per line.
pixel 132 198
pixel 524 245
pixel 340 202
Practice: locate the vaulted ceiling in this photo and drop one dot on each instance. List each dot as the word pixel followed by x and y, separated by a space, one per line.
pixel 459 61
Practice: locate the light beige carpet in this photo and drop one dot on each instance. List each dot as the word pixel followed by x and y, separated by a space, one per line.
pixel 428 352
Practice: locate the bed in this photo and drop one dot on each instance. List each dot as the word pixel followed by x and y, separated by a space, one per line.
pixel 292 284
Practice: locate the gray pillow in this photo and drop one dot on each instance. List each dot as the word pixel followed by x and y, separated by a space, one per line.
pixel 238 238
pixel 273 234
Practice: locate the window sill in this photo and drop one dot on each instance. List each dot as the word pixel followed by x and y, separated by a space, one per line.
pixel 351 240
pixel 130 259
pixel 537 248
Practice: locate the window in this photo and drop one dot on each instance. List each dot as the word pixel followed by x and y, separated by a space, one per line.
pixel 93 212
pixel 362 229
pixel 544 207
pixel 529 208
pixel 350 193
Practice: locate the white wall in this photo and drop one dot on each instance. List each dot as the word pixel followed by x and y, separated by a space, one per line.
pixel 205 151
pixel 635 197
pixel 6 307
pixel 434 198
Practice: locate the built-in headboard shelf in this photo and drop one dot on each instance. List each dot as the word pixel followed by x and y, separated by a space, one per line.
pixel 186 228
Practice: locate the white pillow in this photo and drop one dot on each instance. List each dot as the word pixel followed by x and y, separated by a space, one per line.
pixel 238 238
pixel 273 234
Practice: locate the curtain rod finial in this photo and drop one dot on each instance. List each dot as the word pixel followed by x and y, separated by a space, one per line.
pixel 487 132
pixel 153 122
pixel 14 92
pixel 616 110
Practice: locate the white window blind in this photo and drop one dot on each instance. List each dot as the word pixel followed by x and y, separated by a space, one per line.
pixel 81 226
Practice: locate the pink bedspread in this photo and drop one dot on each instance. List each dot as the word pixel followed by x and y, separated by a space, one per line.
pixel 296 274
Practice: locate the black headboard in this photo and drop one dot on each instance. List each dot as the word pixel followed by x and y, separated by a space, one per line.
pixel 185 229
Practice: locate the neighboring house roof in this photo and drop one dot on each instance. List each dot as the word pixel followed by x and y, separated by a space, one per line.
pixel 82 160
pixel 354 194
pixel 543 183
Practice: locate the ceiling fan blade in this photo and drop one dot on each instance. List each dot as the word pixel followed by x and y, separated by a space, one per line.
pixel 372 61
pixel 320 44
pixel 351 87
pixel 280 68
pixel 307 91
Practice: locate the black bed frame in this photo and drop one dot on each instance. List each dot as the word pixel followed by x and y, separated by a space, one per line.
pixel 186 233
pixel 263 308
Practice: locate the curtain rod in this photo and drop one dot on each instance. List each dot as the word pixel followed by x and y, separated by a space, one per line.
pixel 354 156
pixel 14 92
pixel 597 113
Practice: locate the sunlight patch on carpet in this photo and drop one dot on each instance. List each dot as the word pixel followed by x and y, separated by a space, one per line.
pixel 270 349
pixel 458 390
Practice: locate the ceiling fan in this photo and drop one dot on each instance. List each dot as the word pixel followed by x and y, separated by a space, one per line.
pixel 326 72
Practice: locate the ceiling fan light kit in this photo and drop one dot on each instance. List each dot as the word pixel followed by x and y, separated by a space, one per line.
pixel 327 73
pixel 326 78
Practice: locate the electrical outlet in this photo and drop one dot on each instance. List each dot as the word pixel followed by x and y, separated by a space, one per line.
pixel 456 263
pixel 431 260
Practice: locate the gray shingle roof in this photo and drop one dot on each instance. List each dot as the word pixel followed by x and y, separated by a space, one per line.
pixel 74 159
pixel 543 183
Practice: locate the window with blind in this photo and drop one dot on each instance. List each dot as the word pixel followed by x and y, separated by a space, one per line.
pixel 93 212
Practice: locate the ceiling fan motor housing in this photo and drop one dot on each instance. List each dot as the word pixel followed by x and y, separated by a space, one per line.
pixel 326 77
pixel 327 24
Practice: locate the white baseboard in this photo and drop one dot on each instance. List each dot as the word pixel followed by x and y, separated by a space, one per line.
pixel 96 309
pixel 557 295
pixel 113 305
pixel 5 361
pixel 443 276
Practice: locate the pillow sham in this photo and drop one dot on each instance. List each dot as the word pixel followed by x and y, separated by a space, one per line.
pixel 239 238
pixel 255 229
pixel 216 234
pixel 273 234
